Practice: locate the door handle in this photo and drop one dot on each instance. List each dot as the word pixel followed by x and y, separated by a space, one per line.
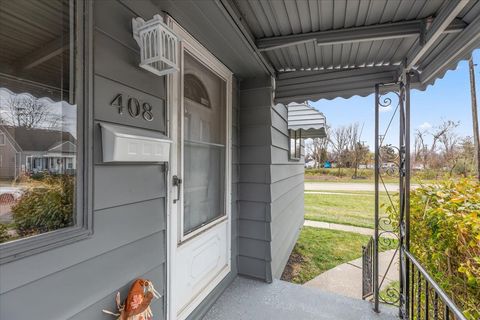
pixel 176 181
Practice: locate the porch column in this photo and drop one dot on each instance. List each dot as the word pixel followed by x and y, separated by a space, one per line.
pixel 271 184
pixel 256 101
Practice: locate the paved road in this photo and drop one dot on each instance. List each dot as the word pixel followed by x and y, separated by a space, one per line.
pixel 340 186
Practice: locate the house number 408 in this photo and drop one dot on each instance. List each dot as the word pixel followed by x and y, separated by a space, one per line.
pixel 134 107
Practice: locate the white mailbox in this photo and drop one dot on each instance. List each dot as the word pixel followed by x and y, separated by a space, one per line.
pixel 125 144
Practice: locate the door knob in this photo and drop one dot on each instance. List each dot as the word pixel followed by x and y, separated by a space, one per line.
pixel 176 181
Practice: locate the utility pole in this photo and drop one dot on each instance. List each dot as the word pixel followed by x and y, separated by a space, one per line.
pixel 474 114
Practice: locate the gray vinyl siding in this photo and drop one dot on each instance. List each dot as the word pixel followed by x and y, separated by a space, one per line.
pixel 78 280
pixel 287 207
pixel 8 160
pixel 271 186
pixel 254 188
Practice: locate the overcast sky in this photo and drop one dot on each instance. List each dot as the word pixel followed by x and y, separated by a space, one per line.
pixel 58 109
pixel 447 99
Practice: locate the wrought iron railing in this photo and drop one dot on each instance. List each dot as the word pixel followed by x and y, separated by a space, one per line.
pixel 424 299
pixel 418 296
pixel 367 269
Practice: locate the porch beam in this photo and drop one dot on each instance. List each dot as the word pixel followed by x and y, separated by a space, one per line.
pixel 444 18
pixel 459 48
pixel 384 31
pixel 45 53
pixel 298 86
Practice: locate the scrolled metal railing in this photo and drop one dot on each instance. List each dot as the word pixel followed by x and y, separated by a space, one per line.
pixel 424 298
pixel 367 268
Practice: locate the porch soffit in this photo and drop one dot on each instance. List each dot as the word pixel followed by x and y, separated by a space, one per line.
pixel 328 48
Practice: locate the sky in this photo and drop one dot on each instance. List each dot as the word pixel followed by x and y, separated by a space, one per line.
pixel 448 99
pixel 63 109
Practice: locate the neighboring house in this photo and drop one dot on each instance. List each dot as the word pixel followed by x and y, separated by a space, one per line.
pixel 32 150
pixel 311 164
pixel 227 200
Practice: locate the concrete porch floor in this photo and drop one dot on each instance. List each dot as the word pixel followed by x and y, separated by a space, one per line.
pixel 248 299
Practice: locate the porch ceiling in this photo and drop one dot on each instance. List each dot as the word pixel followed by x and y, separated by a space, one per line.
pixel 330 38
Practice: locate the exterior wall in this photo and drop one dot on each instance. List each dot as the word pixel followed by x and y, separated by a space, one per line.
pixel 287 186
pixel 78 280
pixel 7 163
pixel 271 186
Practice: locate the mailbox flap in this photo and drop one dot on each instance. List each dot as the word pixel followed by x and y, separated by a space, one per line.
pixel 127 144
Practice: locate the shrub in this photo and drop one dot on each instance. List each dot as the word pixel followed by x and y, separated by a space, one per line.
pixel 45 206
pixel 4 236
pixel 445 237
pixel 428 174
pixel 38 175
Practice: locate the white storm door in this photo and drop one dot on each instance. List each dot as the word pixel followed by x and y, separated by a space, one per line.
pixel 200 237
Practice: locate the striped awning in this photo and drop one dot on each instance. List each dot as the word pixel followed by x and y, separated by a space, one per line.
pixel 309 121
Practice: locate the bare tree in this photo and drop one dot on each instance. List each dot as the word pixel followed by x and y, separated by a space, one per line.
pixel 340 140
pixel 449 141
pixel 27 111
pixel 465 163
pixel 443 134
pixel 318 149
pixel 348 150
pixel 421 148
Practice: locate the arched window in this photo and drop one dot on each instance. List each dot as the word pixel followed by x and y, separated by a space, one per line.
pixel 195 90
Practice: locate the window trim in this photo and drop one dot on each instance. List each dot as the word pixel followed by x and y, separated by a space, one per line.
pixel 83 228
pixel 297 137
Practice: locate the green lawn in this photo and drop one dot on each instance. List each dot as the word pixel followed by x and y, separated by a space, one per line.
pixel 367 176
pixel 388 294
pixel 318 250
pixel 355 208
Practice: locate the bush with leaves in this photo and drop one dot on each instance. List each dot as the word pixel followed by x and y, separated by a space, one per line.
pixel 445 238
pixel 4 236
pixel 45 206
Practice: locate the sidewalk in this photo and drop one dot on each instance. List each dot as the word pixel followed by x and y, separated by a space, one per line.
pixel 343 227
pixel 346 279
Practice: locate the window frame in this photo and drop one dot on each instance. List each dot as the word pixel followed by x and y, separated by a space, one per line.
pixel 297 137
pixel 83 228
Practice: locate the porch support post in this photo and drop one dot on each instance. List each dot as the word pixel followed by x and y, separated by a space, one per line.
pixel 377 173
pixel 402 175
pixel 406 244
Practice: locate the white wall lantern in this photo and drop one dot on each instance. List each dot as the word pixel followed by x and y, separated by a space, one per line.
pixel 158 45
pixel 126 144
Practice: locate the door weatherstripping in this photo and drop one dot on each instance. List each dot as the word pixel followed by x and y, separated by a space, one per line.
pixel 158 45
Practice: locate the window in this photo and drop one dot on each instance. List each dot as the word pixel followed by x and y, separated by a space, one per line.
pixel 204 145
pixel 295 146
pixel 41 103
pixel 2 139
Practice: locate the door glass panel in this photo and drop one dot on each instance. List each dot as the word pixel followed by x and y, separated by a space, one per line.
pixel 204 145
